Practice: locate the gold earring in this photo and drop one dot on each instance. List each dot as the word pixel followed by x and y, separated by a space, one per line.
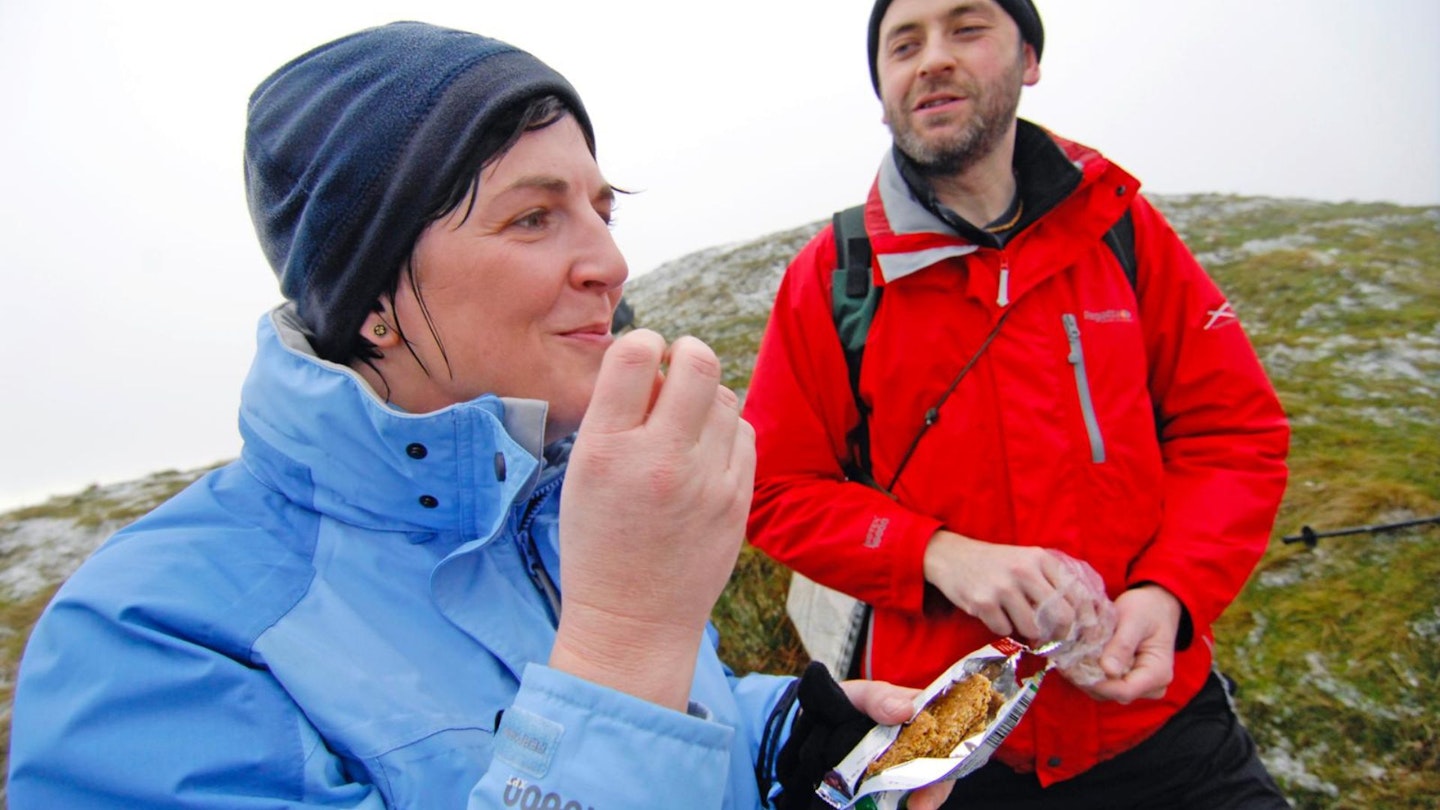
pixel 381 330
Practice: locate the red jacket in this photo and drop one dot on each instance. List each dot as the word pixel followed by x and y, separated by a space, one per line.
pixel 1032 448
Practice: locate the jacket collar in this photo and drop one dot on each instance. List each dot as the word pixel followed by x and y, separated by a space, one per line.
pixel 926 239
pixel 1044 174
pixel 316 432
pixel 911 230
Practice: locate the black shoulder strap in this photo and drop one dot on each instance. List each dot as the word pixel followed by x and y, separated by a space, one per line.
pixel 1121 239
pixel 854 298
pixel 853 295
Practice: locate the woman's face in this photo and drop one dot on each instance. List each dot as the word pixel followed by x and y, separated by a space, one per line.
pixel 519 289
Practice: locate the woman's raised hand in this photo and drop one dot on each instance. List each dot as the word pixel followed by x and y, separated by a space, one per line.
pixel 652 516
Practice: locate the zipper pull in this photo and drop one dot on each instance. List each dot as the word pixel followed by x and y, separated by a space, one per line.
pixel 1003 298
pixel 1072 336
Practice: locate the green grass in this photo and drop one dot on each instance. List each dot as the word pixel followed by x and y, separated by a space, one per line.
pixel 755 633
pixel 1336 652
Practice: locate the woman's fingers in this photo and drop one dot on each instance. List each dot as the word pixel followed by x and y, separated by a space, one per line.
pixel 625 387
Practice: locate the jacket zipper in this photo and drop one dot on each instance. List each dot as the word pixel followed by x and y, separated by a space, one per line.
pixel 1002 298
pixel 533 562
pixel 1082 386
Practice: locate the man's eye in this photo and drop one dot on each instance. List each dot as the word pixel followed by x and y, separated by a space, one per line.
pixel 903 49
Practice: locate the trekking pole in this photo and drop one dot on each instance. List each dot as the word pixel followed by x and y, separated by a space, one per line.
pixel 1310 537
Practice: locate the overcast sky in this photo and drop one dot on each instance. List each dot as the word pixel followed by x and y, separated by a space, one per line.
pixel 134 281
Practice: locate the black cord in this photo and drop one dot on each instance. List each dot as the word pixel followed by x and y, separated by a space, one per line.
pixel 770 740
pixel 933 415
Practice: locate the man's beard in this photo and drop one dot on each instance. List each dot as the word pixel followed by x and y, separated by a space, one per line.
pixel 995 106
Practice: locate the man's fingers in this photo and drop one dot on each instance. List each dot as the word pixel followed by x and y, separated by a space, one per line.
pixel 1152 675
pixel 997 620
pixel 1153 667
pixel 1019 609
pixel 1119 654
pixel 1149 678
pixel 1054 566
pixel 625 387
pixel 1055 617
pixel 1050 593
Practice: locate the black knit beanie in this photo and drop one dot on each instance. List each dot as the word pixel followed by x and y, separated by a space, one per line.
pixel 347 146
pixel 1024 11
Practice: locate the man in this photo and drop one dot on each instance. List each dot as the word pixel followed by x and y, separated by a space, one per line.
pixel 1127 425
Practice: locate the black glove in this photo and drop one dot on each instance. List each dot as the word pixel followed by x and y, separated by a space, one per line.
pixel 827 728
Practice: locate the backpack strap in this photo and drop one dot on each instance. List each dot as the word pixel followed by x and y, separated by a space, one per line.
pixel 854 298
pixel 1121 239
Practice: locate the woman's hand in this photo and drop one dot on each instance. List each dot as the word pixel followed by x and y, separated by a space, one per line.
pixel 833 718
pixel 890 704
pixel 652 516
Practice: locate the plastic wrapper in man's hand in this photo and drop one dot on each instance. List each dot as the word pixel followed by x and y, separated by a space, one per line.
pixel 1082 596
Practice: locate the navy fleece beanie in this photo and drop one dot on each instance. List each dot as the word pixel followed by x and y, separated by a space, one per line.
pixel 1024 11
pixel 348 145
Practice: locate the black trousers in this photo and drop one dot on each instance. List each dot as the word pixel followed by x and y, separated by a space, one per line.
pixel 1203 758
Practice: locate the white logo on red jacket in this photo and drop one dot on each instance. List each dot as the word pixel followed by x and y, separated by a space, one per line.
pixel 876 533
pixel 1221 317
pixel 1110 316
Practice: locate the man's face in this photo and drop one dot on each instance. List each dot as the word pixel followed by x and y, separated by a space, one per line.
pixel 950 76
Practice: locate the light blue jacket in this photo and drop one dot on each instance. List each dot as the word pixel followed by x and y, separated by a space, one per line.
pixel 354 615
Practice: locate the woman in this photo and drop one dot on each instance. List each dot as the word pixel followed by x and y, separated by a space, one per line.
pixel 364 610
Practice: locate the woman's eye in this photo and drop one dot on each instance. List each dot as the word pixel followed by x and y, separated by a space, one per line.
pixel 532 219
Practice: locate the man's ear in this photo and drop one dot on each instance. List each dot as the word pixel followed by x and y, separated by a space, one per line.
pixel 1032 66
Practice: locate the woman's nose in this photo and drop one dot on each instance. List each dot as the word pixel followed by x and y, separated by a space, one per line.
pixel 601 264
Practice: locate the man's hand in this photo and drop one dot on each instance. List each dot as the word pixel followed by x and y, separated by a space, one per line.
pixel 652 517
pixel 1139 661
pixel 1004 586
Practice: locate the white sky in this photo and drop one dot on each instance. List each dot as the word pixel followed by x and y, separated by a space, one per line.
pixel 133 276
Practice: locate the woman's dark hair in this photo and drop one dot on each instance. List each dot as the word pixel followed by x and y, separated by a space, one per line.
pixel 495 142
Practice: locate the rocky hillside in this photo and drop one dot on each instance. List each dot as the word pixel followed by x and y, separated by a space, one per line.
pixel 721 294
pixel 1336 648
